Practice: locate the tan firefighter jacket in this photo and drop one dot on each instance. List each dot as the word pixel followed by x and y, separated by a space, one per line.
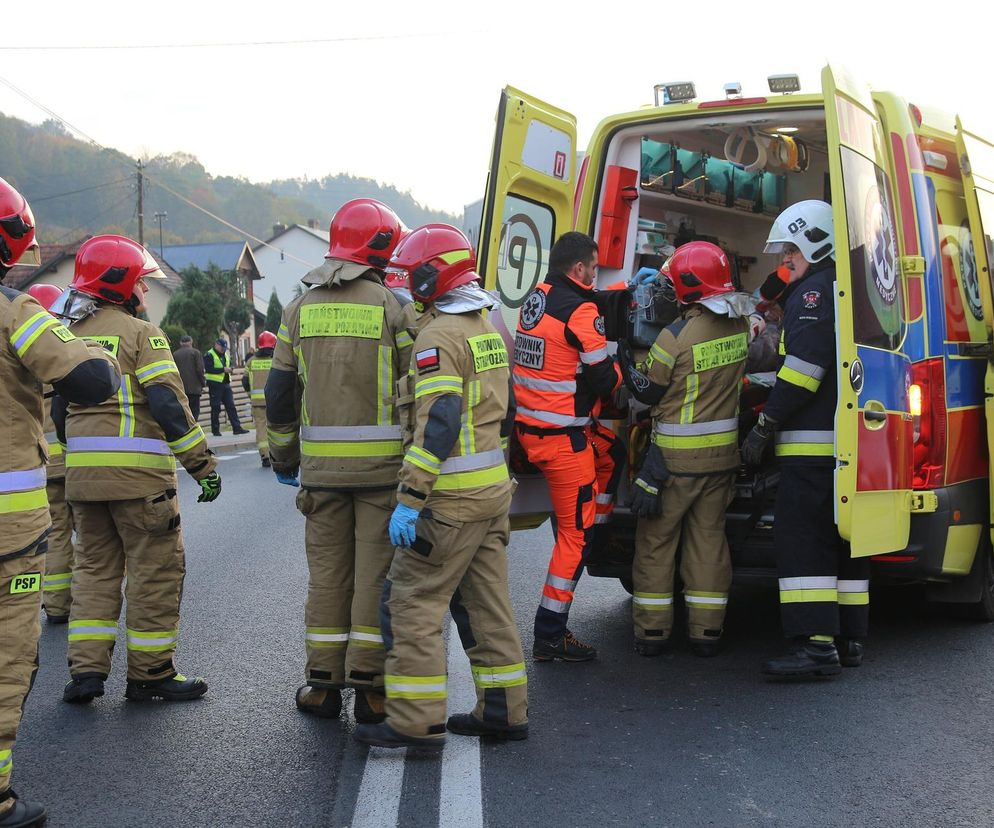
pixel 456 401
pixel 36 348
pixel 700 360
pixel 56 469
pixel 330 394
pixel 127 447
pixel 256 373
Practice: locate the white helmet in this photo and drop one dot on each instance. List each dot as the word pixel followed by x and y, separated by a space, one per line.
pixel 809 226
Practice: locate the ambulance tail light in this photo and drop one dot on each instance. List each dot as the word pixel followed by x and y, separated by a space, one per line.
pixel 927 397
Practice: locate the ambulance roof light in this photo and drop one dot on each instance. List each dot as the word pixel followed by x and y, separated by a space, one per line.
pixel 674 92
pixel 784 84
pixel 733 90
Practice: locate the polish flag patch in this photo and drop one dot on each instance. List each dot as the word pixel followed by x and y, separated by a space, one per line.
pixel 427 361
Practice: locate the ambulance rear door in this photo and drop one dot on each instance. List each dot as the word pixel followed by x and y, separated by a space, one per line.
pixel 527 206
pixel 874 437
pixel 976 158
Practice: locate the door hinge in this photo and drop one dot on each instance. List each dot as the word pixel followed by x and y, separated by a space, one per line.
pixel 924 502
pixel 913 265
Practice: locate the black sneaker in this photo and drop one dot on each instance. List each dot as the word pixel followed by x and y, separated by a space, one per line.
pixel 175 688
pixel 216 433
pixel 466 724
pixel 24 814
pixel 382 735
pixel 369 706
pixel 84 688
pixel 567 648
pixel 808 658
pixel 324 702
pixel 239 431
pixel 850 651
pixel 265 463
pixel 651 647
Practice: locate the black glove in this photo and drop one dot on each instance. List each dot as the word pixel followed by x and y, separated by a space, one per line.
pixel 647 487
pixel 757 441
pixel 638 383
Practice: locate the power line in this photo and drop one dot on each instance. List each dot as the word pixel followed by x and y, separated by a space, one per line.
pixel 77 230
pixel 74 192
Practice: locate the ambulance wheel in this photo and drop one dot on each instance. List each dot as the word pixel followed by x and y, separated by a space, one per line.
pixel 626 582
pixel 983 610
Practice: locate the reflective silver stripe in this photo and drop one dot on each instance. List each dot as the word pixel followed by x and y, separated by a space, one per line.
pixel 593 357
pixel 146 445
pixel 535 384
pixel 854 586
pixel 92 631
pixel 556 582
pixel 700 599
pixel 6 762
pixel 818 582
pixel 472 462
pixel 51 437
pixel 326 636
pixel 652 602
pixel 806 437
pixel 350 434
pixel 555 419
pixel 17 481
pixel 401 687
pixel 713 427
pixel 601 518
pixel 809 369
pixel 481 676
pixel 553 605
pixel 361 636
pixel 604 498
pixel 162 641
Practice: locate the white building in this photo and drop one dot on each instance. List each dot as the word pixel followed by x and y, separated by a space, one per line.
pixel 295 250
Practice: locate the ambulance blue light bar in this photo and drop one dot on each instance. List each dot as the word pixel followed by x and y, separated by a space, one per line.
pixel 784 84
pixel 676 92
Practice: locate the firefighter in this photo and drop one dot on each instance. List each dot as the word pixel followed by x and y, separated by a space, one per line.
pixel 36 349
pixel 217 372
pixel 57 586
pixel 451 521
pixel 254 382
pixel 121 482
pixel 561 369
pixel 346 341
pixel 824 593
pixel 692 379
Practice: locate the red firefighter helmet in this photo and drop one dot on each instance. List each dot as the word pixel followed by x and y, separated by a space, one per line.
pixel 364 231
pixel 435 258
pixel 110 267
pixel 699 270
pixel 45 294
pixel 17 229
pixel 267 340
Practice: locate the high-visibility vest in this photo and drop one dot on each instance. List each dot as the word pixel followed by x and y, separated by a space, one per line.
pixel 220 363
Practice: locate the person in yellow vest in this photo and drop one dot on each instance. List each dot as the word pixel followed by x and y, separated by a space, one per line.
pixel 34 349
pixel 254 382
pixel 217 372
pixel 121 481
pixel 57 586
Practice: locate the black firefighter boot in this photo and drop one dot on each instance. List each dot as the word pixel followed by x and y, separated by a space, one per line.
pixel 369 707
pixel 850 651
pixel 466 724
pixel 84 688
pixel 323 702
pixel 174 688
pixel 807 658
pixel 24 814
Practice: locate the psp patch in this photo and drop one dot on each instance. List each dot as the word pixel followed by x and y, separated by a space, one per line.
pixel 599 325
pixel 811 299
pixel 427 361
pixel 30 582
pixel 158 343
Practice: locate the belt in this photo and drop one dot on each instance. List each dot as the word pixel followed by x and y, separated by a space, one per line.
pixel 545 432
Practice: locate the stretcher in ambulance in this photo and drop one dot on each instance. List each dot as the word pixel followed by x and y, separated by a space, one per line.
pixel 911 191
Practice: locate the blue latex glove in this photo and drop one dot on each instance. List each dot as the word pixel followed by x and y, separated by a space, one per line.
pixel 645 276
pixel 402 523
pixel 287 479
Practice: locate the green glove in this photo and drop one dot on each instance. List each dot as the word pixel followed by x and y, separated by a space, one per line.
pixel 211 486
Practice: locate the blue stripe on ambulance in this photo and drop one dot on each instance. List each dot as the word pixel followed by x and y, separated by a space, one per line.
pixel 885 378
pixel 965 382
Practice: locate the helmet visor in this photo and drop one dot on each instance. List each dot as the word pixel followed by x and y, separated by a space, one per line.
pixel 150 268
pixel 32 256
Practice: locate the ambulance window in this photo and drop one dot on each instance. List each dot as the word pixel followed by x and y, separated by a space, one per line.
pixel 986 202
pixel 876 289
pixel 527 231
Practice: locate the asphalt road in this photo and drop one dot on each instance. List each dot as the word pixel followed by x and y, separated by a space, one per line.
pixel 904 740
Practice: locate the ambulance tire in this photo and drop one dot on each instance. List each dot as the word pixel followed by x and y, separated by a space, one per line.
pixel 983 610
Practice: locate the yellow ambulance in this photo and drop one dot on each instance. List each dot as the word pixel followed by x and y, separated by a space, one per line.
pixel 912 191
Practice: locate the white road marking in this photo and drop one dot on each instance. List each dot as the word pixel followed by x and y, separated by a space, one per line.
pixel 460 800
pixel 249 451
pixel 379 792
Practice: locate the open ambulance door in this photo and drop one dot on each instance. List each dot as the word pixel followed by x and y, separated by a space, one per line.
pixel 527 206
pixel 976 159
pixel 873 426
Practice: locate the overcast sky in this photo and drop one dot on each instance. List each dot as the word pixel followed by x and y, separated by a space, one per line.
pixel 412 101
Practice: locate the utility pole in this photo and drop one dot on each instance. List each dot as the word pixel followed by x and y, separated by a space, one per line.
pixel 159 217
pixel 141 205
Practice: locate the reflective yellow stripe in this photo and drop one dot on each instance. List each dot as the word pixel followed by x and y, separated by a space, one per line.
pixel 6 762
pixel 366 448
pixel 802 596
pixel 689 398
pixel 437 385
pixel 512 675
pixel 284 334
pixel 423 459
pixel 194 437
pixel 279 438
pixel 854 599
pixel 24 336
pixel 804 450
pixel 119 459
pixel 384 385
pixel 658 353
pixel 675 441
pixel 472 479
pixel 781 348
pixel 23 501
pixel 467 435
pixel 55 449
pixel 797 378
pixel 415 687
pixel 125 406
pixel 404 340
pixel 156 369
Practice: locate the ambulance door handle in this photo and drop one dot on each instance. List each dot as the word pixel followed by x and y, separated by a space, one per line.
pixel 874 415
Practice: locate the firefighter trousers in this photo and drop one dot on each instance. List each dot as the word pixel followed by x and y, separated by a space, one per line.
pixel 141 537
pixel 57 587
pixel 462 567
pixel 261 426
pixel 609 463
pixel 566 458
pixel 693 510
pixel 348 555
pixel 20 627
pixel 823 591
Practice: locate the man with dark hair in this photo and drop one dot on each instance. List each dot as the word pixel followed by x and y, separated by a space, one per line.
pixel 559 330
pixel 191 371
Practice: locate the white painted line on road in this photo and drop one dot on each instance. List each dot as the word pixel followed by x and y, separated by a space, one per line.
pixel 223 457
pixel 460 799
pixel 379 792
pixel 249 451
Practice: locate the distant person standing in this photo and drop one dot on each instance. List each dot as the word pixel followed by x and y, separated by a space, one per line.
pixel 257 368
pixel 217 370
pixel 191 371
